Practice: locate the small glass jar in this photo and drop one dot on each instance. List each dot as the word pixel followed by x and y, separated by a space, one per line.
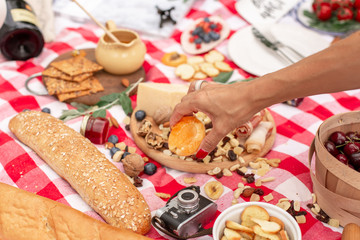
pixel 96 129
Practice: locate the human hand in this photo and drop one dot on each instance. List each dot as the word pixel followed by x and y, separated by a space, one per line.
pixel 226 105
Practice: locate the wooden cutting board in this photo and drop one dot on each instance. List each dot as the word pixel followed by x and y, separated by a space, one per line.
pixel 196 167
pixel 110 82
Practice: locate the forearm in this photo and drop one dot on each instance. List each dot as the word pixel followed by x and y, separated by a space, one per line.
pixel 334 69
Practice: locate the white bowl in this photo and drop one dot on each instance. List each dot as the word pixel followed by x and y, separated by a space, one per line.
pixel 233 213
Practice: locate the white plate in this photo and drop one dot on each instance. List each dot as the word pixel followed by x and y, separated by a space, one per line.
pixel 251 55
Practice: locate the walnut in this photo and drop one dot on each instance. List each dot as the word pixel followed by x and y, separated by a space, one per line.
pixel 154 140
pixel 133 164
pixel 144 128
pixel 162 115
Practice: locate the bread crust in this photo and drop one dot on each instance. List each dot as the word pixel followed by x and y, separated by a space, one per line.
pixel 104 187
pixel 27 216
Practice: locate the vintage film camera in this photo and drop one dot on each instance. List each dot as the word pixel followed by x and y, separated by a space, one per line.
pixel 186 212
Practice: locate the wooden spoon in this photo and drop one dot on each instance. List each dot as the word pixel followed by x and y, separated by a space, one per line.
pixel 98 23
pixel 351 232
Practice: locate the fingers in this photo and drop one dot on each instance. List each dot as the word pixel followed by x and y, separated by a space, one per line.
pixel 196 85
pixel 209 143
pixel 182 109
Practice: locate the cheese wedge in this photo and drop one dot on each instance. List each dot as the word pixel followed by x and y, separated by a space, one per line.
pixel 151 96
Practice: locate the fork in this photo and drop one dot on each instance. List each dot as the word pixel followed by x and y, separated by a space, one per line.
pixel 270 36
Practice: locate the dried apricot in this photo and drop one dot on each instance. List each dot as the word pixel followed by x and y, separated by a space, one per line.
pixel 186 136
pixel 173 59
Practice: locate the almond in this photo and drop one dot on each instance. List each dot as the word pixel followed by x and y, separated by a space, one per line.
pixel 114 122
pixel 125 82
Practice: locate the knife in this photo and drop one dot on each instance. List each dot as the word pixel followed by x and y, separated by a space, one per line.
pixel 275 46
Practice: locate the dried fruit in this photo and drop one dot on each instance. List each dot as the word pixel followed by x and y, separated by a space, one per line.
pixel 259 191
pixel 186 136
pixel 190 180
pixel 214 189
pixel 232 155
pixel 248 192
pixel 163 195
pixel 173 59
pixel 138 181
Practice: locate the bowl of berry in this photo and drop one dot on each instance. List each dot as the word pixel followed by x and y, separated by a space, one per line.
pixel 336 181
pixel 204 34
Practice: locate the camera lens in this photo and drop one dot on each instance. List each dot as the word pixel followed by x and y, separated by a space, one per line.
pixel 188 196
pixel 188 200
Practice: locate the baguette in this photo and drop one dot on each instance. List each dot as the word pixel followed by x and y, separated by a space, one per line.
pixel 104 187
pixel 27 216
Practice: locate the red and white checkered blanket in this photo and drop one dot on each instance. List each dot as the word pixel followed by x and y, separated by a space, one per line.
pixel 21 167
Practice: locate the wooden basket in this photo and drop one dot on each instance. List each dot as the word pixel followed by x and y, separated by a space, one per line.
pixel 336 185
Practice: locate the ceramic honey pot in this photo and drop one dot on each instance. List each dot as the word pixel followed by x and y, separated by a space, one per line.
pixel 124 57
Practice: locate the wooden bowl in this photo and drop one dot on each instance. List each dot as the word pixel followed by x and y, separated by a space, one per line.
pixel 193 166
pixel 336 185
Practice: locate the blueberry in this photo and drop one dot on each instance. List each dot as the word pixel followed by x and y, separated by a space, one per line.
pixel 150 169
pixel 113 150
pixel 46 110
pixel 214 36
pixel 198 40
pixel 124 155
pixel 196 31
pixel 207 38
pixel 206 19
pixel 213 26
pixel 113 139
pixel 26 110
pixel 201 34
pixel 140 115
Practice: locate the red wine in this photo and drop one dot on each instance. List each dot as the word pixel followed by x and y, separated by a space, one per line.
pixel 20 38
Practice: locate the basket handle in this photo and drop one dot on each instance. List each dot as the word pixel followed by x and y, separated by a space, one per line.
pixel 340 206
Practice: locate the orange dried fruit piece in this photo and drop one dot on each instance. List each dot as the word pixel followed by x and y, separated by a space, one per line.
pixel 185 137
pixel 173 59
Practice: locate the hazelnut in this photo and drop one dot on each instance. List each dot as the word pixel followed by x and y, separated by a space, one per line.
pixel 133 164
pixel 162 115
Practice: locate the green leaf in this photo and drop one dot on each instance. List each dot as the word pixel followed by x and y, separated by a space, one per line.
pixel 102 103
pixel 67 113
pixel 242 80
pixel 110 98
pixel 125 103
pixel 223 77
pixel 80 106
pixel 70 117
pixel 99 113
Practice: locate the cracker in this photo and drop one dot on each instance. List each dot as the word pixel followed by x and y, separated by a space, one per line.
pixel 185 71
pixel 223 66
pixel 55 73
pixel 76 65
pixel 214 56
pixel 95 87
pixel 58 86
pixel 65 96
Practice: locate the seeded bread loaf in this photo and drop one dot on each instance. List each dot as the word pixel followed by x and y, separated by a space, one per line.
pixel 27 216
pixel 104 187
